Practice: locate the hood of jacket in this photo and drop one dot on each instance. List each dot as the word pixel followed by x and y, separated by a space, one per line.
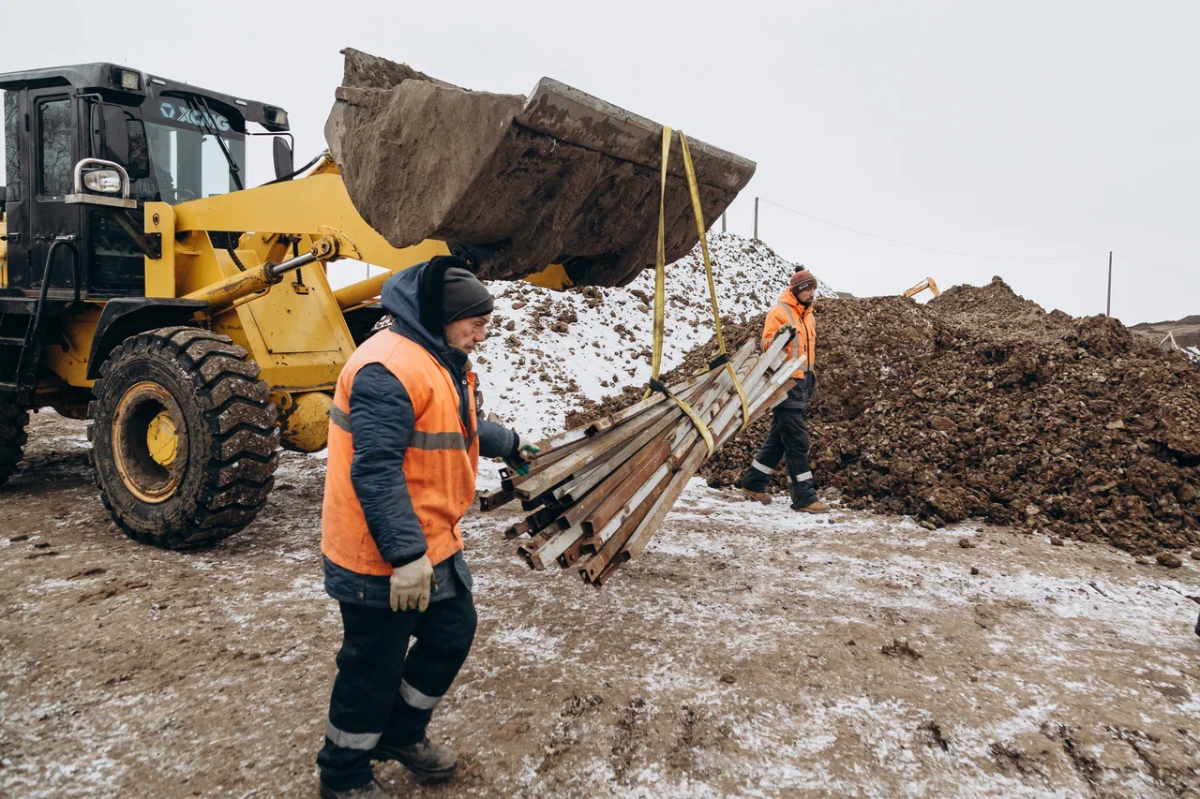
pixel 401 297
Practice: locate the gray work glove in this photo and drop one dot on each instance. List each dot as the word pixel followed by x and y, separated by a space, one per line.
pixel 411 584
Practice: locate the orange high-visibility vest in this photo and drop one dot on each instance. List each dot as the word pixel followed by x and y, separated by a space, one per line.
pixel 790 312
pixel 440 464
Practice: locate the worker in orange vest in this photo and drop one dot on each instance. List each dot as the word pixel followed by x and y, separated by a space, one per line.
pixel 404 446
pixel 789 433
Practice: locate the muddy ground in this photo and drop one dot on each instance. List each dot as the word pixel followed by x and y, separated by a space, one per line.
pixel 748 653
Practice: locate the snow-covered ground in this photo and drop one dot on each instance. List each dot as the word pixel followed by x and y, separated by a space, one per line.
pixel 750 651
pixel 551 350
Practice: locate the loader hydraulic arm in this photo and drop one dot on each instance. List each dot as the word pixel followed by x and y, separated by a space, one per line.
pixel 227 292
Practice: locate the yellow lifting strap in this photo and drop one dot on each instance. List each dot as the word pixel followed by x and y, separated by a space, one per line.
pixel 660 290
pixel 660 279
pixel 694 188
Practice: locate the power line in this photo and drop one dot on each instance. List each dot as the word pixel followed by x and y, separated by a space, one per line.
pixel 1156 266
pixel 936 249
pixel 975 255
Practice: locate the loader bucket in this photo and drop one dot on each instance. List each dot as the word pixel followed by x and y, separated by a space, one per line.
pixel 516 183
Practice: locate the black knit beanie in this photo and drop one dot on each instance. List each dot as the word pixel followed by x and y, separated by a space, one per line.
pixel 449 292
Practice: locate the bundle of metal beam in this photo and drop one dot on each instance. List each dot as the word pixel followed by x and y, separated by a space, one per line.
pixel 600 492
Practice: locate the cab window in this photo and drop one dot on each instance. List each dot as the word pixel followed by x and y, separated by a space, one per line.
pixel 12 144
pixel 54 130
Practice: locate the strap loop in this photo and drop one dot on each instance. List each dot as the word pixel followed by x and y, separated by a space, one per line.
pixel 705 433
pixel 719 361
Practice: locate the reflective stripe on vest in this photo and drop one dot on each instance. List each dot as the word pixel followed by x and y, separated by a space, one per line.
pixel 421 440
pixel 440 463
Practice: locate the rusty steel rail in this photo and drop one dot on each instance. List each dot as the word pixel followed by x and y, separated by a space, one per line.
pixel 491 500
pixel 600 492
pixel 683 389
pixel 691 464
pixel 569 524
pixel 587 478
pixel 595 569
pixel 638 472
pixel 527 549
pixel 586 510
pixel 727 425
pixel 562 470
pixel 579 486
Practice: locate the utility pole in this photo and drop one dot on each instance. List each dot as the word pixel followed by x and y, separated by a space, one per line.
pixel 1108 304
pixel 756 219
pixel 723 222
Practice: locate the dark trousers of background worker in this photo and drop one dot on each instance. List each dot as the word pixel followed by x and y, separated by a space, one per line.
pixel 788 438
pixel 385 693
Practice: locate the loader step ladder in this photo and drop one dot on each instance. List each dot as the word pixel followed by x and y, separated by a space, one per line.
pixel 23 328
pixel 18 364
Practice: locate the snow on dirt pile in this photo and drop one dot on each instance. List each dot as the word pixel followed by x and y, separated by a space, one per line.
pixel 981 404
pixel 552 352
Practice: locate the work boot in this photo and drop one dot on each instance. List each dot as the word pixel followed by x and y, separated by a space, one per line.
pixel 804 498
pixel 424 758
pixel 757 496
pixel 754 485
pixel 372 790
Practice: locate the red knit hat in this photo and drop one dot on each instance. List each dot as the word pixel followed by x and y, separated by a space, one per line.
pixel 803 279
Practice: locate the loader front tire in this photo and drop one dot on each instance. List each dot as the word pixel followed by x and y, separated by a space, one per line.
pixel 13 419
pixel 184 442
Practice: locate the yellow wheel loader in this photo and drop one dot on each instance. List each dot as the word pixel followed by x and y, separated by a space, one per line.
pixel 145 287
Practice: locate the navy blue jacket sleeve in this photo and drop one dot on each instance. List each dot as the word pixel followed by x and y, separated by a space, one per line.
pixel 496 441
pixel 382 423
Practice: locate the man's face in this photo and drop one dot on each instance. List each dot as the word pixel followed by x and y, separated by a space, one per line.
pixel 466 334
pixel 806 296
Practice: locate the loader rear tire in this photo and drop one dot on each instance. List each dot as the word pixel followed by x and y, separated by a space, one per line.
pixel 13 419
pixel 184 441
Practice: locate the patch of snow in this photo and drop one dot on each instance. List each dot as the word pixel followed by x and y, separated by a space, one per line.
pixel 548 350
pixel 529 642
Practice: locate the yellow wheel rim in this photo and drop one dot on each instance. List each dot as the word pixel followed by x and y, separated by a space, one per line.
pixel 162 440
pixel 149 442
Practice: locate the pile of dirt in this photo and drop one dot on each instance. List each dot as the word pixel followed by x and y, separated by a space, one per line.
pixel 982 405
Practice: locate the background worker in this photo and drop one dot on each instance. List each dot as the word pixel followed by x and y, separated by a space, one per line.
pixel 404 447
pixel 789 434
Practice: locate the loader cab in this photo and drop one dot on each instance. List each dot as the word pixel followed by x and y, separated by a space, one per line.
pixel 86 146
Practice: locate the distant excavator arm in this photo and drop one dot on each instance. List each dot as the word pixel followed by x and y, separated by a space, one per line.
pixel 927 283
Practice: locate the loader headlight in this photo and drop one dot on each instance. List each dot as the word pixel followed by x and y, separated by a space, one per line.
pixel 128 79
pixel 276 117
pixel 104 181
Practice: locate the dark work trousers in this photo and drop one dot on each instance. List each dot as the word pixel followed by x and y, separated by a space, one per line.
pixel 384 691
pixel 788 438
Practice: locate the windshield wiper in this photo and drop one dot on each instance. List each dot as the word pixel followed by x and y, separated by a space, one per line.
pixel 201 111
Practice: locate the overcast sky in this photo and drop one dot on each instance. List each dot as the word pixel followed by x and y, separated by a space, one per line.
pixel 1017 128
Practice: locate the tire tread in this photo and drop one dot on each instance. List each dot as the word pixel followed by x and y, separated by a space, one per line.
pixel 242 455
